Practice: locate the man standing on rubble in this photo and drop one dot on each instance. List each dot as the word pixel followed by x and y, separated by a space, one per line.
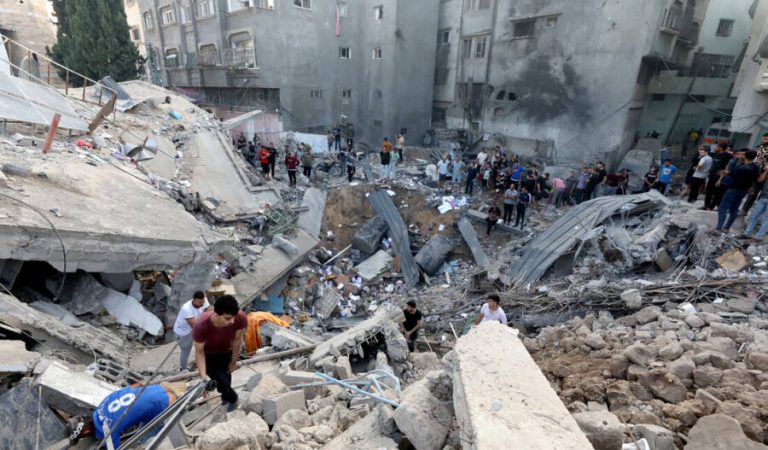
pixel 523 201
pixel 386 157
pixel 189 313
pixel 218 338
pixel 264 161
pixel 410 326
pixel 744 176
pixel 337 136
pixel 759 213
pixel 720 160
pixel 292 165
pixel 700 174
pixel 493 216
pixel 307 159
pixel 272 159
pixel 510 198
pixel 491 311
pixel 472 172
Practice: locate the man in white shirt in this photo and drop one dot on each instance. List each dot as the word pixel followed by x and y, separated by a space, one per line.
pixel 185 321
pixel 700 175
pixel 491 311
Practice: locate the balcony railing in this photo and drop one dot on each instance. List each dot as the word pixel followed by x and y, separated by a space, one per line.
pixel 242 58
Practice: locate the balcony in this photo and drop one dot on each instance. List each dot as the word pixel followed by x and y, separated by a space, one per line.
pixel 242 58
pixel 670 24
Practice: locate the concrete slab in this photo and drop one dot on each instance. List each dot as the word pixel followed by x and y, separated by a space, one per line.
pixel 340 343
pixel 164 162
pixel 375 266
pixel 274 407
pixel 28 101
pixel 71 391
pixel 384 206
pixel 128 311
pixel 273 265
pixel 109 218
pixel 368 238
pixel 15 359
pixel 367 433
pixel 469 234
pixel 216 174
pixel 86 338
pixel 311 219
pixel 495 410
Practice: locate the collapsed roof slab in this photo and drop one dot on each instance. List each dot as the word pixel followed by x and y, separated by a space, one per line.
pixel 109 219
pixel 501 398
pixel 218 176
pixel 273 265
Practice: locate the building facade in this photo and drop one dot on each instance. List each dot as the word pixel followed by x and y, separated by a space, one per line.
pixel 695 92
pixel 30 23
pixel 560 80
pixel 750 114
pixel 316 62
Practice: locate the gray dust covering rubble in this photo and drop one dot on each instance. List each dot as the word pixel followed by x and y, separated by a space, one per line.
pixel 631 324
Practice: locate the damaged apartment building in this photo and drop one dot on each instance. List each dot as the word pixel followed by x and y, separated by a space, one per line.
pixel 314 63
pixel 557 80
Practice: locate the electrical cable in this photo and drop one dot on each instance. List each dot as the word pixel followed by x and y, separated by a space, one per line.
pixel 56 231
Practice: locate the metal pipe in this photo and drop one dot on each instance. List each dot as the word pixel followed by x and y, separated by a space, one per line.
pixel 359 391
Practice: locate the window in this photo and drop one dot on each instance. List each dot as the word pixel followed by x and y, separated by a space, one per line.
pixel 466 50
pixel 376 53
pixel 474 125
pixel 724 28
pixel 304 4
pixel 207 55
pixel 524 28
pixel 472 5
pixel 316 93
pixel 551 21
pixel 696 98
pixel 378 12
pixel 343 11
pixel 480 44
pixel 135 34
pixel 345 53
pixel 148 24
pixel 441 77
pixel 379 94
pixel 346 93
pixel 172 58
pixel 443 36
pixel 483 4
pixel 205 8
pixel 501 95
pixel 469 5
pixel 167 15
pixel 266 4
pixel 186 13
pixel 237 5
pixel 658 97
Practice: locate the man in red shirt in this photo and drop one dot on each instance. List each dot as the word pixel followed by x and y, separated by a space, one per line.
pixel 264 161
pixel 292 164
pixel 218 336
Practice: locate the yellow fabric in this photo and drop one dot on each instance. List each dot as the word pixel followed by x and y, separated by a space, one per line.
pixel 253 339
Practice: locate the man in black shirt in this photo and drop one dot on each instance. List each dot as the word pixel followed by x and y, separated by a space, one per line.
pixel 493 216
pixel 720 160
pixel 410 326
pixel 743 176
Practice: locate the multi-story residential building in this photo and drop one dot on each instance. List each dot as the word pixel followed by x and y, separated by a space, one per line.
pixel 30 24
pixel 561 80
pixel 133 16
pixel 750 114
pixel 317 62
pixel 693 93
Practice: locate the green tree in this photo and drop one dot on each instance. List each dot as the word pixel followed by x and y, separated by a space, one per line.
pixel 93 38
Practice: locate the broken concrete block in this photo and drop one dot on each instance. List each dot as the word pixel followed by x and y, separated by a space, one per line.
pixel 294 377
pixel 59 312
pixel 733 260
pixel 234 434
pixel 82 294
pixel 343 368
pixel 285 245
pixel 294 418
pixel 647 314
pixel 375 266
pixel 664 385
pixel 603 429
pixel 423 418
pixel 15 359
pixel 326 305
pixel 663 261
pixel 275 406
pixel 70 391
pixel 425 360
pixel 659 438
pixel 397 345
pixel 128 311
pixel 24 424
pixel 486 404
pixel 269 386
pixel 366 433
pixel 368 238
pixel 3 179
pixel 720 432
pixel 432 255
pixel 633 298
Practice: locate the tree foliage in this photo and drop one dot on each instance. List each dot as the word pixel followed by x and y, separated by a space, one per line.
pixel 93 38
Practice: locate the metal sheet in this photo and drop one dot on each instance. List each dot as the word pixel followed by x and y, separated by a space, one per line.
pixel 384 206
pixel 27 101
pixel 563 235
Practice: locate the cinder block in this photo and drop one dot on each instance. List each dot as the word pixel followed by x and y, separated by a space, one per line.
pixel 343 368
pixel 274 407
pixel 294 377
